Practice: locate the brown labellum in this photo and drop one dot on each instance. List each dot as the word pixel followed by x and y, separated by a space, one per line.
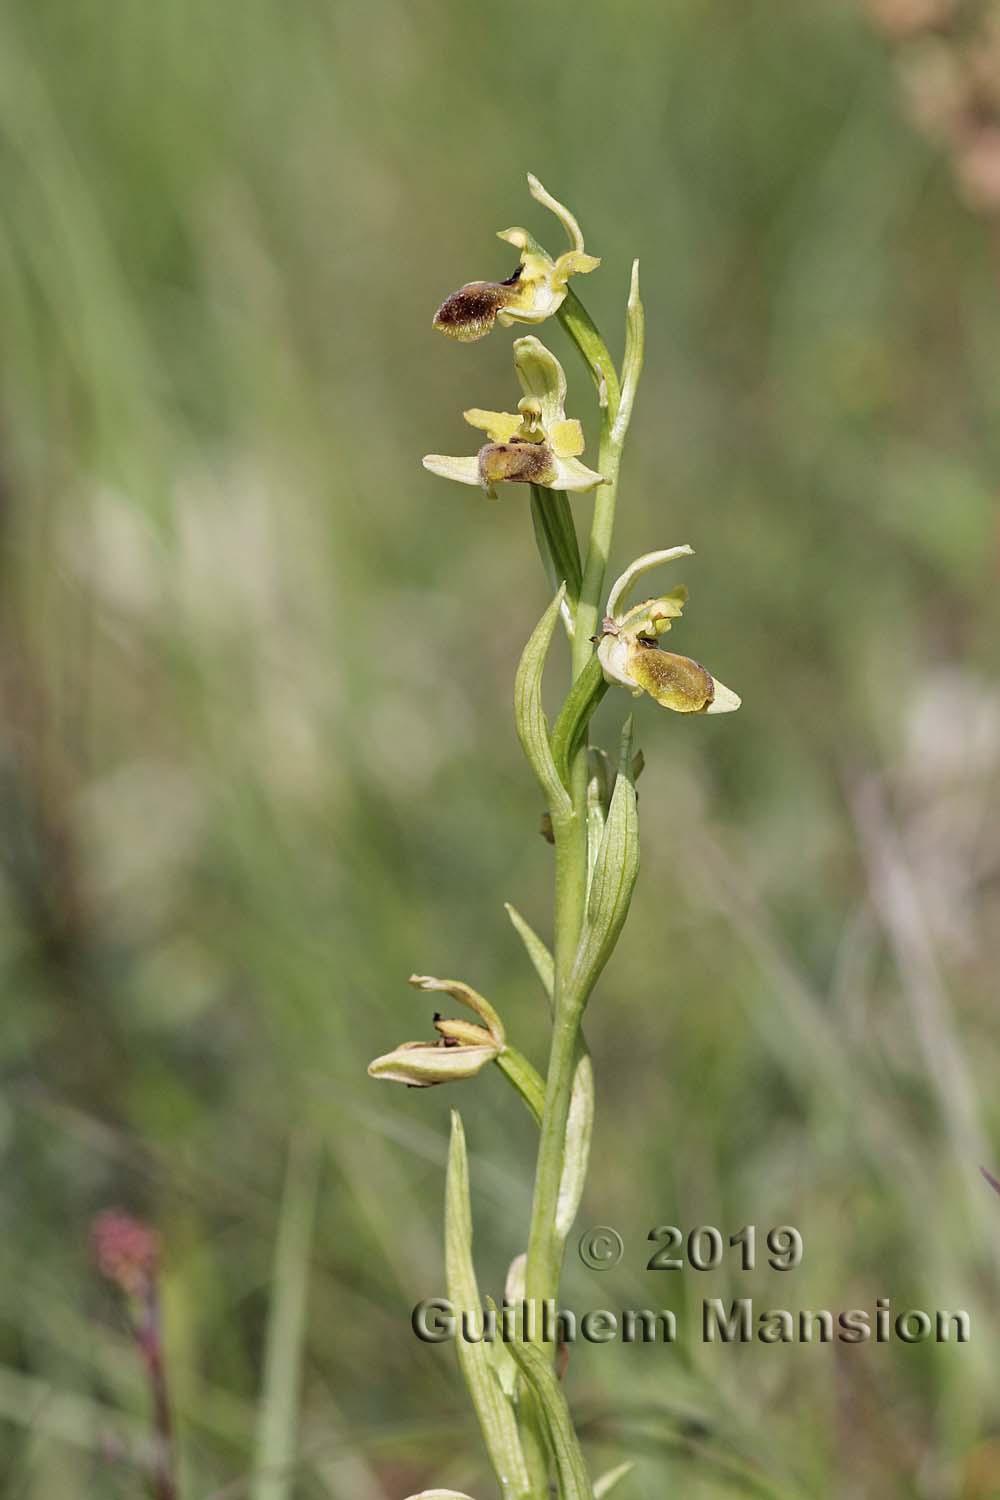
pixel 516 463
pixel 470 313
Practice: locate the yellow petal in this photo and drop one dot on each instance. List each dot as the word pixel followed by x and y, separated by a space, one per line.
pixel 500 426
pixel 566 438
pixel 653 616
pixel 469 1033
pixel 573 263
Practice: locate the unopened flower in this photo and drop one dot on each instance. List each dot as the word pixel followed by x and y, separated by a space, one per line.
pixel 127 1251
pixel 629 651
pixel 537 444
pixel 533 293
pixel 462 1048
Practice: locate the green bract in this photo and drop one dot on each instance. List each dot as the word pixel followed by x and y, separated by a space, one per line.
pixel 537 444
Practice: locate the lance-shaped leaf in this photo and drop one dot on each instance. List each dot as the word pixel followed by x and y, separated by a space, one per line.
pixel 600 782
pixel 498 1353
pixel 614 878
pixel 576 713
pixel 529 715
pixel 539 954
pixel 558 546
pixel 607 1481
pixel 495 1413
pixel 571 1471
pixel 635 341
pixel 579 1127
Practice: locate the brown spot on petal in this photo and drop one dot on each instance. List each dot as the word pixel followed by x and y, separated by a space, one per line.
pixel 516 463
pixel 674 681
pixel 470 313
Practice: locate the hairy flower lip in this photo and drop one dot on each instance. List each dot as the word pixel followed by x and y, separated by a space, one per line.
pixel 629 652
pixel 538 444
pixel 536 289
pixel 471 312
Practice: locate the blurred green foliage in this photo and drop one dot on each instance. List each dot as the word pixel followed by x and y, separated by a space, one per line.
pixel 256 753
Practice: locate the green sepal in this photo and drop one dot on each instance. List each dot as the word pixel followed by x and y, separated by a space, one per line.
pixel 571 1471
pixel 495 1413
pixel 542 377
pixel 529 715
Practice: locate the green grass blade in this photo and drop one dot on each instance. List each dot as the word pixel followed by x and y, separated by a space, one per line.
pixel 277 1426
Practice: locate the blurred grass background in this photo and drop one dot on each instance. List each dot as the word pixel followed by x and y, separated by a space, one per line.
pixel 256 753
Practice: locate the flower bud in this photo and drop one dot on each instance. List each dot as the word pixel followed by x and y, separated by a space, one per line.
pixel 126 1250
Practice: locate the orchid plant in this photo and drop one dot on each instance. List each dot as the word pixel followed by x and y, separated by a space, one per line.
pixel 592 821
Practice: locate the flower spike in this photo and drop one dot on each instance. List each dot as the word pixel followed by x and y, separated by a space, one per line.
pixel 630 654
pixel 538 444
pixel 535 291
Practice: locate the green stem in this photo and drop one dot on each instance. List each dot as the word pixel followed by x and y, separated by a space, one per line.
pixel 544 1246
pixel 545 1249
